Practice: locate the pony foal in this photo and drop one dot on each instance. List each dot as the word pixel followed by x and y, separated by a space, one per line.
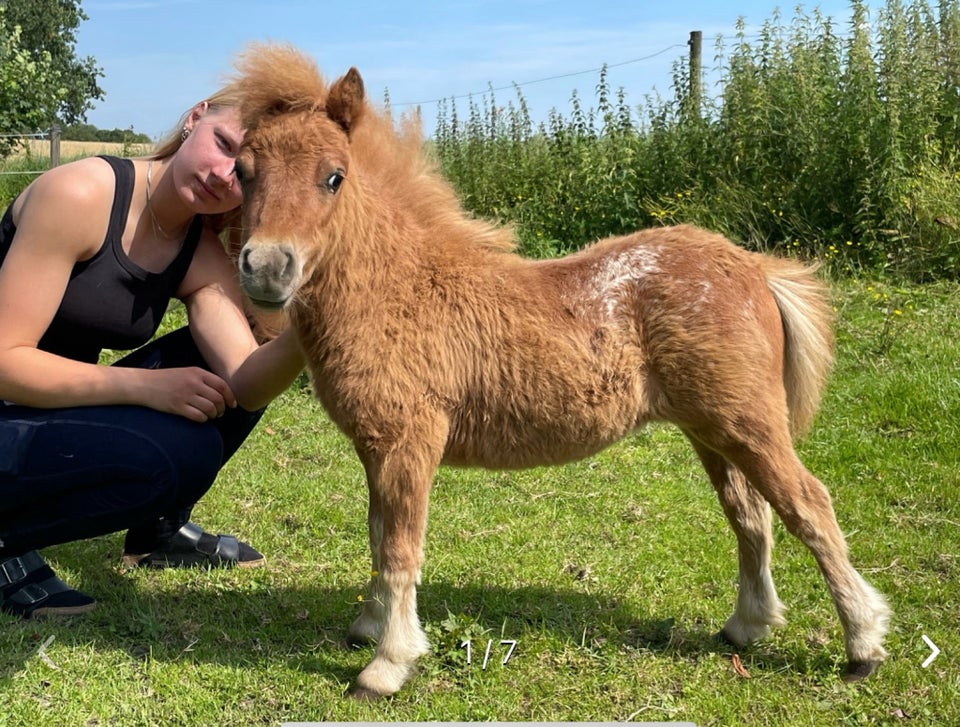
pixel 429 341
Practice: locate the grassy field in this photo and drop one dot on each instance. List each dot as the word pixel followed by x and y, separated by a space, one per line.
pixel 610 575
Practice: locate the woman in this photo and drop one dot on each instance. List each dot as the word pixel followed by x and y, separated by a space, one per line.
pixel 90 255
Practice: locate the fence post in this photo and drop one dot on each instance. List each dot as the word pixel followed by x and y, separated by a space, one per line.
pixel 55 145
pixel 696 65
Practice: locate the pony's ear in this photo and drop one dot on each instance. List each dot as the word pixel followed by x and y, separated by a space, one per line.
pixel 345 100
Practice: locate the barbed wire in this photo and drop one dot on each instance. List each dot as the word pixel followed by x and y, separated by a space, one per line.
pixel 34 135
pixel 544 80
pixel 748 37
pixel 44 135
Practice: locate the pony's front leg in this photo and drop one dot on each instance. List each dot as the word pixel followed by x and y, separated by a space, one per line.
pixel 399 484
pixel 368 626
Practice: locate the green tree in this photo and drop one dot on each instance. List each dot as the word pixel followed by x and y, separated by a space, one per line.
pixel 48 28
pixel 29 85
pixel 79 132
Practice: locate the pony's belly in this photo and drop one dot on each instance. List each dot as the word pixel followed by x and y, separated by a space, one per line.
pixel 556 413
pixel 510 447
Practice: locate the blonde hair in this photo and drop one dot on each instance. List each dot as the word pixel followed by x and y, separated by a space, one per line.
pixel 225 224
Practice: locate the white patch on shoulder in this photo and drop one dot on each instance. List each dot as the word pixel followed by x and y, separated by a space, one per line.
pixel 615 274
pixel 706 289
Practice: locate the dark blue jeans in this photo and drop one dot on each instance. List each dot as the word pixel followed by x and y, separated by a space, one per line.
pixel 68 474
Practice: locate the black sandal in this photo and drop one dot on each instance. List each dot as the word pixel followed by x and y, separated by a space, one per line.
pixel 191 546
pixel 30 589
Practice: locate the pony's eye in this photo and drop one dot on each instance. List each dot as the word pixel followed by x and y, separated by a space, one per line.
pixel 238 172
pixel 333 182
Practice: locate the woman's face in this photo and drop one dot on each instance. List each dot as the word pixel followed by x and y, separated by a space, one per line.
pixel 203 169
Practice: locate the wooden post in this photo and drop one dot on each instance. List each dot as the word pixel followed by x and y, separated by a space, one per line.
pixel 55 145
pixel 696 65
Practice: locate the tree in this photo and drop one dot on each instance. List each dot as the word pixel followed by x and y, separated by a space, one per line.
pixel 48 29
pixel 29 85
pixel 87 132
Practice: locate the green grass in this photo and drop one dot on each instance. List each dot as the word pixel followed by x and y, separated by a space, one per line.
pixel 611 575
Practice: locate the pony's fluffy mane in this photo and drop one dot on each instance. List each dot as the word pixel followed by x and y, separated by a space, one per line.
pixel 279 79
pixel 394 155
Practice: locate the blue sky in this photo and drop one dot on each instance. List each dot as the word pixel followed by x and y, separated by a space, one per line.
pixel 159 58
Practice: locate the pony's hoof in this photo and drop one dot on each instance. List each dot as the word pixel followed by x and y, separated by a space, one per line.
pixel 724 638
pixel 362 694
pixel 359 642
pixel 857 670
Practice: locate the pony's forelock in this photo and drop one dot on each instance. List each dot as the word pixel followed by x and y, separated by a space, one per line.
pixel 276 78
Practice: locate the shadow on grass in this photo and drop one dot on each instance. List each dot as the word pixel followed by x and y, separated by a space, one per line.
pixel 244 619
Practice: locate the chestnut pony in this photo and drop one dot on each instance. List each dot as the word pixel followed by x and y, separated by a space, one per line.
pixel 431 342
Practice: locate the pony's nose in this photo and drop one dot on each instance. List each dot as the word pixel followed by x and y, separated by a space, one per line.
pixel 272 261
pixel 269 272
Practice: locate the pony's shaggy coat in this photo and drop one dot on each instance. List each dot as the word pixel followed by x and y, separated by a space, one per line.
pixel 429 341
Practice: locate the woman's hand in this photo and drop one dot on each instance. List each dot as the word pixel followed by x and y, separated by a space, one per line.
pixel 194 393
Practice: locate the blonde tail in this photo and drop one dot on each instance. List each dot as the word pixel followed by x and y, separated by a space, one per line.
pixel 808 336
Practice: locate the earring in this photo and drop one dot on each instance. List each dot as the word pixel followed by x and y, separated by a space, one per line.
pixel 184 134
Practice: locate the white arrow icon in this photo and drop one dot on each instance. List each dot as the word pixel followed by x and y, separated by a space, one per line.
pixel 934 649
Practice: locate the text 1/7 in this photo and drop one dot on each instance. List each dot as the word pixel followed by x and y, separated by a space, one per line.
pixel 486 655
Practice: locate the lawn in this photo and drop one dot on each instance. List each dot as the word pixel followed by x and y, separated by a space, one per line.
pixel 606 578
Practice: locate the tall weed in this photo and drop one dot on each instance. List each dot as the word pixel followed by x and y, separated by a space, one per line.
pixel 840 145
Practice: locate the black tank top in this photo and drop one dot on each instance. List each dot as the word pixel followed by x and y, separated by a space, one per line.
pixel 110 301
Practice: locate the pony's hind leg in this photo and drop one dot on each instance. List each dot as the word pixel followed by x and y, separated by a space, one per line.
pixel 771 465
pixel 758 607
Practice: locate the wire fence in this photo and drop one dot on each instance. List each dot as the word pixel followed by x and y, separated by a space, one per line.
pixel 52 135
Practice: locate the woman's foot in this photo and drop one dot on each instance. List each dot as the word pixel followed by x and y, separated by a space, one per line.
pixel 29 589
pixel 191 546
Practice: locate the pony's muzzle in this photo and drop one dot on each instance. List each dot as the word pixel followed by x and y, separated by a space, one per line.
pixel 269 273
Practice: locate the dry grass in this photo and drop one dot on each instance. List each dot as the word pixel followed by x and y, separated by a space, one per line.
pixel 23 166
pixel 40 149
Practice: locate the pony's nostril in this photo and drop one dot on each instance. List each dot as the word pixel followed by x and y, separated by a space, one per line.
pixel 245 266
pixel 290 268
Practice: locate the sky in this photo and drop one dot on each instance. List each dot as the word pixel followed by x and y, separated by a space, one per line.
pixel 160 57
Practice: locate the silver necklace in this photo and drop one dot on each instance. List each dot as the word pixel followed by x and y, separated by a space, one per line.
pixel 157 227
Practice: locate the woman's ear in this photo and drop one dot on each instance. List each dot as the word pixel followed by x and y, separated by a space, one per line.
pixel 196 113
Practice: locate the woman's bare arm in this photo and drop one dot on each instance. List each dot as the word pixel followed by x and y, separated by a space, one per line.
pixel 61 219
